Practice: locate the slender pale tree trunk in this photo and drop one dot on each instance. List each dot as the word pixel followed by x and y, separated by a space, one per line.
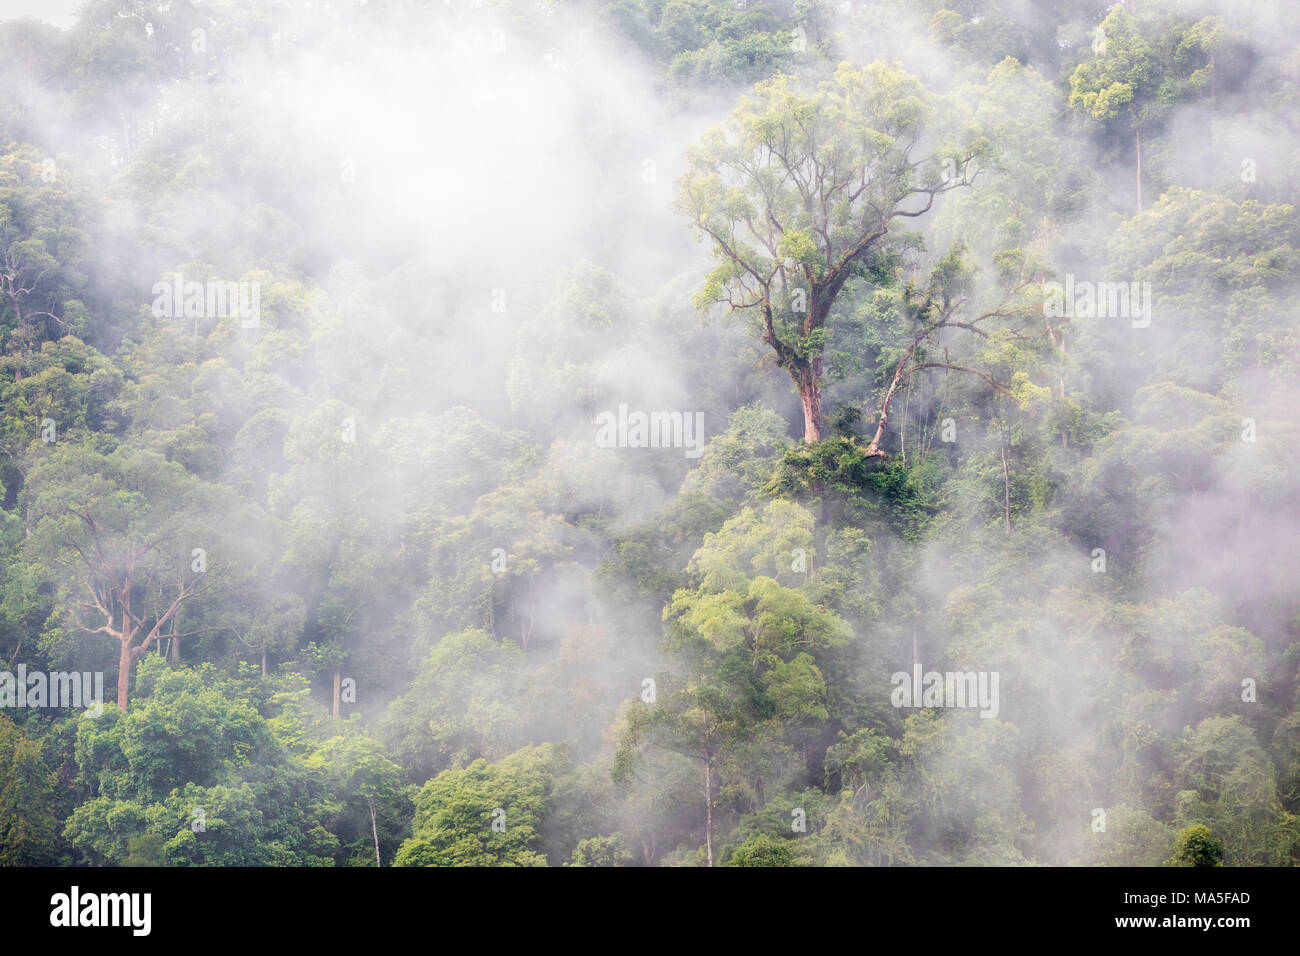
pixel 374 828
pixel 1137 133
pixel 708 808
pixel 1006 478
pixel 1058 337
pixel 1065 437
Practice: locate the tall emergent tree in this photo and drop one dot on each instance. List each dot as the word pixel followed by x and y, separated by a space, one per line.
pixel 798 193
pixel 123 540
pixel 1142 68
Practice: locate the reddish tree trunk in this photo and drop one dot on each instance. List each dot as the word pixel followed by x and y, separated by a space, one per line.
pixel 808 381
pixel 124 675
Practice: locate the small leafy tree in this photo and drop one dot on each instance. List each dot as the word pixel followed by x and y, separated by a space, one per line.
pixel 1197 847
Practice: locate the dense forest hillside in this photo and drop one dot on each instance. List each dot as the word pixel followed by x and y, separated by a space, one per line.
pixel 650 433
